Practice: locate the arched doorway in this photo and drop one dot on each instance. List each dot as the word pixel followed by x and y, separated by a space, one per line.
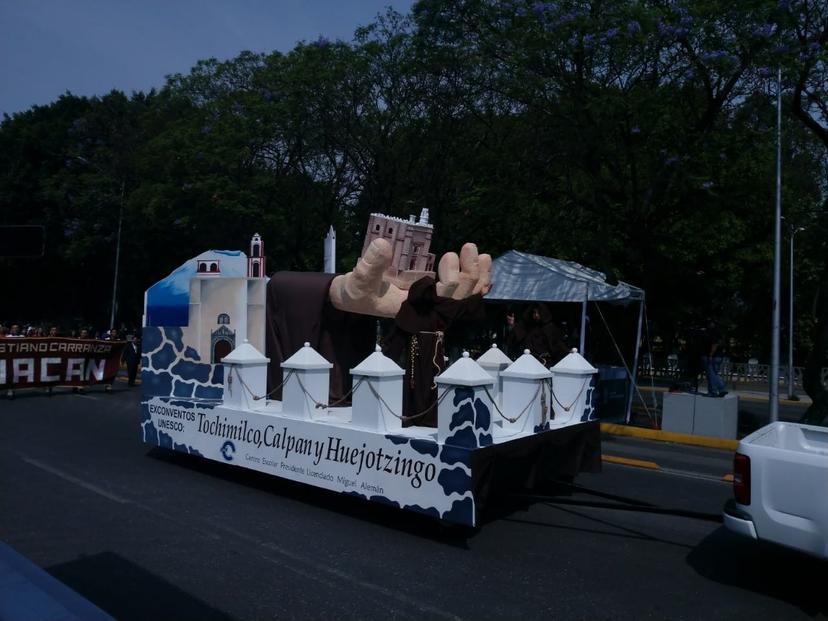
pixel 222 342
pixel 221 349
pixel 255 270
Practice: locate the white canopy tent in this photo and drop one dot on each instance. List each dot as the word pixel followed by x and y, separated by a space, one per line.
pixel 519 276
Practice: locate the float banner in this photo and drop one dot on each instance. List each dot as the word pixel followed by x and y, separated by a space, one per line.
pixel 33 362
pixel 402 471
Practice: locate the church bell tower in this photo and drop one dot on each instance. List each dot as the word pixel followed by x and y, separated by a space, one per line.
pixel 256 258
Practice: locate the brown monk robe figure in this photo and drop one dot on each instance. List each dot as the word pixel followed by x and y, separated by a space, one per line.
pixel 536 332
pixel 417 339
pixel 330 311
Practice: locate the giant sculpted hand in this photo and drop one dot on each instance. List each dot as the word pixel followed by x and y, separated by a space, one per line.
pixel 366 292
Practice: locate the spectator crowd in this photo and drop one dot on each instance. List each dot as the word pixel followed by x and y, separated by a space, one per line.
pixel 27 330
pixel 130 357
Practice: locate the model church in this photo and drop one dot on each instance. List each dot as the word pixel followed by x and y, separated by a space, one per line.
pixel 411 241
pixel 226 310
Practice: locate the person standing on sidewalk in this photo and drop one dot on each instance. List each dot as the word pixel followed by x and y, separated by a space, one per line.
pixel 112 335
pixel 132 358
pixel 712 360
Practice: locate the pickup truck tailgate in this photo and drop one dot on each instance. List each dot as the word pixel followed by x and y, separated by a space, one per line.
pixel 789 485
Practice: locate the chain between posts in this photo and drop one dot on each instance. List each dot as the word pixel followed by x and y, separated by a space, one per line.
pixel 522 412
pixel 250 392
pixel 377 395
pixel 440 399
pixel 413 416
pixel 578 396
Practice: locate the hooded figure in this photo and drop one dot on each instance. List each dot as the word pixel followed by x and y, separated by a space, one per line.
pixel 537 332
pixel 298 311
pixel 418 334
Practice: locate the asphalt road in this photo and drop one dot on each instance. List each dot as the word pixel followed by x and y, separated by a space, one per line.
pixel 145 534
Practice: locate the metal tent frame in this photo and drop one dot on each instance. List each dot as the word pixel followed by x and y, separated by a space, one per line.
pixel 524 277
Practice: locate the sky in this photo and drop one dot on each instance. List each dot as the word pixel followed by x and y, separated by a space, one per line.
pixel 89 47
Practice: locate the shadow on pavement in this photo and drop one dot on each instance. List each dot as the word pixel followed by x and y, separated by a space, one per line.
pixel 127 591
pixel 357 508
pixel 501 503
pixel 762 568
pixel 575 501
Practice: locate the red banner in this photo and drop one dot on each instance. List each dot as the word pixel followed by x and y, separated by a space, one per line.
pixel 51 361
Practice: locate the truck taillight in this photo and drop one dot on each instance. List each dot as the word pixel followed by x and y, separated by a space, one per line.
pixel 741 478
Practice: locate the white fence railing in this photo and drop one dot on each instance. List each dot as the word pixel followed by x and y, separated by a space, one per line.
pixel 731 372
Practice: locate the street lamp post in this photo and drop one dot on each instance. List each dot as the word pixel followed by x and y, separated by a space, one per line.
pixel 793 231
pixel 773 379
pixel 117 256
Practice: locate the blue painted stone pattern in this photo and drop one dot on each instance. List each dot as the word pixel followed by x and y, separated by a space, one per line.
pixel 175 334
pixel 469 420
pixel 150 338
pixel 163 358
pixel 182 389
pixel 425 447
pixel 461 393
pixel 464 437
pixel 209 392
pixel 461 512
pixel 454 455
pixel 482 418
pixel 191 370
pixel 218 375
pixel 429 511
pixel 398 439
pixel 172 369
pixel 153 384
pixel 151 435
pixel 463 415
pixel 454 480
pixel 588 409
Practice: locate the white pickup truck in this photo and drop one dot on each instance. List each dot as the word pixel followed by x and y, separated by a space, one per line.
pixel 781 487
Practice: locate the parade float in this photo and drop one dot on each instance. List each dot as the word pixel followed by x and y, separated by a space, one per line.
pixel 215 385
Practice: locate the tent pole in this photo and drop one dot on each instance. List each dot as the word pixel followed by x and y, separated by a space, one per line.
pixel 581 348
pixel 635 359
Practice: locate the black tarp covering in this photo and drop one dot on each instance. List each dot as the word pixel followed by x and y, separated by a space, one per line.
pixel 530 462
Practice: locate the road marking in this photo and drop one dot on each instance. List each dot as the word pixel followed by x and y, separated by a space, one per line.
pixel 72 479
pixel 668 436
pixel 694 475
pixel 652 466
pixel 82 396
pixel 318 568
pixel 626 461
pixel 322 568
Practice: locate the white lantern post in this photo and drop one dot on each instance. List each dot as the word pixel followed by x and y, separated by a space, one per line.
pixel 494 361
pixel 377 396
pixel 464 416
pixel 308 384
pixel 571 385
pixel 524 394
pixel 245 376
